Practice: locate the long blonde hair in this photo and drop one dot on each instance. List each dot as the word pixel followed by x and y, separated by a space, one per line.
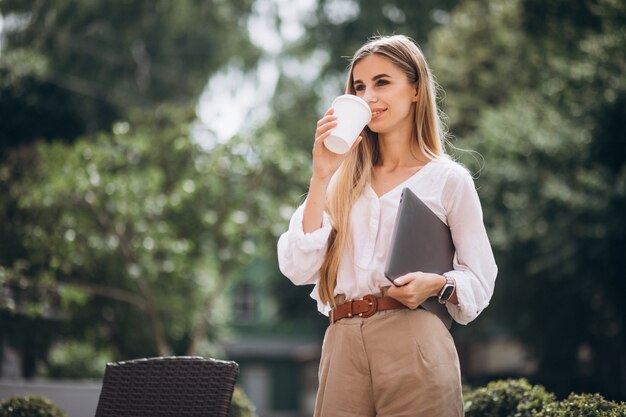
pixel 356 170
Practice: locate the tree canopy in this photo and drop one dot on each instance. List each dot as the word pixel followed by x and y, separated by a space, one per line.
pixel 100 59
pixel 136 234
pixel 546 115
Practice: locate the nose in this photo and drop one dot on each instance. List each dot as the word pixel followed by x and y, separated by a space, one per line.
pixel 368 96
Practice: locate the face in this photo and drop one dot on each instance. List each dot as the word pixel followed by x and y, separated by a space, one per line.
pixel 387 90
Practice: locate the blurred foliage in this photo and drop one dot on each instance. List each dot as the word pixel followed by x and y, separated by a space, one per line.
pixel 29 407
pixel 240 405
pixel 340 27
pixel 77 360
pixel 132 237
pixel 545 110
pixel 26 97
pixel 66 257
pixel 479 58
pixel 101 59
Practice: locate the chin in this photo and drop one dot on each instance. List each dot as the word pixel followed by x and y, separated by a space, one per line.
pixel 379 130
pixel 375 129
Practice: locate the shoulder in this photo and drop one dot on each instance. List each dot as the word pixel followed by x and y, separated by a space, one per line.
pixel 453 173
pixel 457 184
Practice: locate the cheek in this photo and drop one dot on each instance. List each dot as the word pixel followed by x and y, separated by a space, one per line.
pixel 403 108
pixel 400 99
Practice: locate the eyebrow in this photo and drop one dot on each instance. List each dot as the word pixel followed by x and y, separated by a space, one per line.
pixel 374 78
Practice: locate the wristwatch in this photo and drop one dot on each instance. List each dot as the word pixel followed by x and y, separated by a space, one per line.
pixel 446 291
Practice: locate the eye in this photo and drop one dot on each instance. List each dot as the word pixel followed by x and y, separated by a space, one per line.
pixel 382 82
pixel 359 87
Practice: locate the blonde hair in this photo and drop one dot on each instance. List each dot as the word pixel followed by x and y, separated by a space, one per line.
pixel 356 170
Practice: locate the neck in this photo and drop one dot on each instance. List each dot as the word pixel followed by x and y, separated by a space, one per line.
pixel 397 149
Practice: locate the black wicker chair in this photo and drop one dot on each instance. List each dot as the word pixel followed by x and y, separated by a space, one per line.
pixel 168 386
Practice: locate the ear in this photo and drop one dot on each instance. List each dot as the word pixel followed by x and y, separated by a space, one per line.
pixel 415 94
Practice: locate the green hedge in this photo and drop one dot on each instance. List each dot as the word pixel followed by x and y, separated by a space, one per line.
pixel 29 407
pixel 513 397
pixel 584 405
pixel 518 398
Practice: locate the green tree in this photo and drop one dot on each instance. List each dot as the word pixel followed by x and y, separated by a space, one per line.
pixel 340 27
pixel 70 69
pixel 103 58
pixel 546 113
pixel 477 58
pixel 131 238
pixel 30 106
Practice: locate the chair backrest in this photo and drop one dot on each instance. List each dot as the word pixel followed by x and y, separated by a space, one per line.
pixel 167 386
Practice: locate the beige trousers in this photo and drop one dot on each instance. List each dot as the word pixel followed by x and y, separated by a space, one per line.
pixel 397 363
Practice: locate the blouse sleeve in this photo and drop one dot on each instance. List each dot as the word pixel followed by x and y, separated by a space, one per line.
pixel 474 267
pixel 300 255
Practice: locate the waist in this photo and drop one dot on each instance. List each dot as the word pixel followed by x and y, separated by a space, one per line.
pixel 365 306
pixel 341 298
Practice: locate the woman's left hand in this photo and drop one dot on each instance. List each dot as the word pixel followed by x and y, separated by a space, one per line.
pixel 414 288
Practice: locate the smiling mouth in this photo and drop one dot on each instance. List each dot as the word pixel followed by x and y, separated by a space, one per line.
pixel 377 113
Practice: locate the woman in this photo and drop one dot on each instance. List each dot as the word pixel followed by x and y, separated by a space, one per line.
pixel 401 360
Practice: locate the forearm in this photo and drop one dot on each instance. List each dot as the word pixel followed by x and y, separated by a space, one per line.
pixel 315 203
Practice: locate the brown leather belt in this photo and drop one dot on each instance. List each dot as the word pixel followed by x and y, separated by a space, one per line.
pixel 364 307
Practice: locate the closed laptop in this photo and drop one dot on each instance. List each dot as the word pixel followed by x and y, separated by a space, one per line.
pixel 421 242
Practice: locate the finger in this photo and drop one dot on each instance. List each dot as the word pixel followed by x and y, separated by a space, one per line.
pixel 329 111
pixel 327 125
pixel 326 119
pixel 325 128
pixel 321 138
pixel 403 280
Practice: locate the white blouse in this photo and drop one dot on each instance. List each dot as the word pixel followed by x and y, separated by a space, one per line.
pixel 448 190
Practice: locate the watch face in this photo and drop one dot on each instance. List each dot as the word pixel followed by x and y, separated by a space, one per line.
pixel 447 292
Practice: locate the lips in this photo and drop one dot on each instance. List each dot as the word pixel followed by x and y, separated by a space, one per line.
pixel 377 112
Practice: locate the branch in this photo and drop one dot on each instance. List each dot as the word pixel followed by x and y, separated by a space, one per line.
pixel 109 292
pixel 202 323
pixel 149 301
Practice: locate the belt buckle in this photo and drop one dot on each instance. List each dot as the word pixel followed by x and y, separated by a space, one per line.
pixel 372 306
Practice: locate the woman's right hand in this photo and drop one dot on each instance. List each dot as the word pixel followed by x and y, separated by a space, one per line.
pixel 325 162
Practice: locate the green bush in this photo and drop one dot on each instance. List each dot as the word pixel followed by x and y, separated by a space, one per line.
pixel 29 407
pixel 241 406
pixel 584 405
pixel 507 398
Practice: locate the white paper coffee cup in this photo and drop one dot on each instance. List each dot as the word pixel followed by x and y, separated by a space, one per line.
pixel 352 114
